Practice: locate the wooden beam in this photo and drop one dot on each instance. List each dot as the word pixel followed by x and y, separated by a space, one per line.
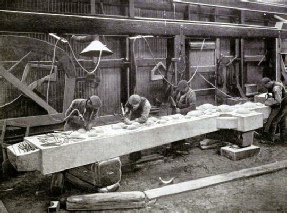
pixel 106 63
pixel 236 5
pixel 258 58
pixel 23 88
pixel 33 121
pixel 148 62
pixel 2 207
pixel 207 68
pixel 59 23
pixel 70 84
pixel 107 201
pixel 214 180
pixel 179 5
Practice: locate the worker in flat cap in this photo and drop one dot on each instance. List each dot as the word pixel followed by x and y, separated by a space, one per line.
pixel 183 101
pixel 278 103
pixel 137 109
pixel 82 113
pixel 185 98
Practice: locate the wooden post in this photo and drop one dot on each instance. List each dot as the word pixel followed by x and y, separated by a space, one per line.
pixel 3 147
pixel 131 8
pixel 278 59
pixel 242 21
pixel 125 81
pixel 133 67
pixel 169 63
pixel 217 56
pixel 187 15
pixel 123 4
pixel 57 183
pixel 224 74
pixel 93 7
pixel 68 92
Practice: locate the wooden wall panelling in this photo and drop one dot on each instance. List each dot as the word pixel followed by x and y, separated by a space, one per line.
pixel 109 90
pixel 152 90
pixel 202 58
pixel 148 53
pixel 254 50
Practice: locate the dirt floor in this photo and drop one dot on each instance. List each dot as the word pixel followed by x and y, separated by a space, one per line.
pixel 29 192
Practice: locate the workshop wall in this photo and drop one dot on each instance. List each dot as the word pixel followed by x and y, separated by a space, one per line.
pixel 113 87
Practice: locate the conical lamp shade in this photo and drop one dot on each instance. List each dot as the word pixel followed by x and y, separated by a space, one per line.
pixel 94 49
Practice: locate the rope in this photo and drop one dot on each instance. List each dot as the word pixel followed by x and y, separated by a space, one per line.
pixel 2 106
pixel 73 54
pixel 217 88
pixel 99 59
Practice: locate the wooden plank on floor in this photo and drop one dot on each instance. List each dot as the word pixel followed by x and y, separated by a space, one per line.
pixel 107 201
pixel 2 207
pixel 214 180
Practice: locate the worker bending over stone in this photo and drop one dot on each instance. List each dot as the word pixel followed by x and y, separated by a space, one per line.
pixel 82 113
pixel 278 103
pixel 184 100
pixel 137 109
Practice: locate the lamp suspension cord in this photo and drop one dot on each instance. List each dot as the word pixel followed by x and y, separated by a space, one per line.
pixel 99 59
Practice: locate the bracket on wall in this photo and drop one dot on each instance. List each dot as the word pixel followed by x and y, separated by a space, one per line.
pixel 154 75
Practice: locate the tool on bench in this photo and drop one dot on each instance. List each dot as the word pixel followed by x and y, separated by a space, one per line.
pixel 123 111
pixel 79 114
pixel 173 104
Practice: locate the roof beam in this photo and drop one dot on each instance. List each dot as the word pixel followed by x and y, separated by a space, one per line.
pixel 241 5
pixel 180 6
pixel 21 21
